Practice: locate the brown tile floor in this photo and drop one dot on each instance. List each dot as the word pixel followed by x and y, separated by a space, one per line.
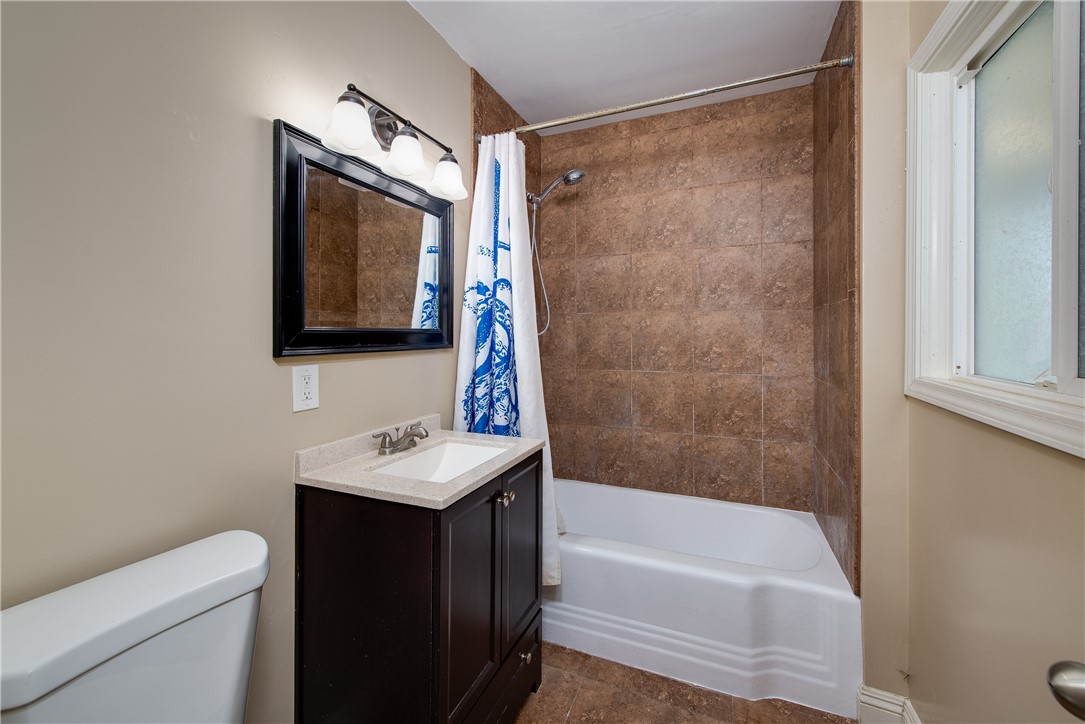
pixel 577 687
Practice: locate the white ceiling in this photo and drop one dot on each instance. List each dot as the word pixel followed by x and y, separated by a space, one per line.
pixel 556 59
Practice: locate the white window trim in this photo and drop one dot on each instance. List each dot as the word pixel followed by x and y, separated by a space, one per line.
pixel 1065 173
pixel 938 303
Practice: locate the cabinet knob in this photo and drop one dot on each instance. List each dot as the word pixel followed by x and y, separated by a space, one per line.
pixel 506 498
pixel 526 657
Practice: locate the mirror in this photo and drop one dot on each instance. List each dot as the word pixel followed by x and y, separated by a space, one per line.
pixel 363 261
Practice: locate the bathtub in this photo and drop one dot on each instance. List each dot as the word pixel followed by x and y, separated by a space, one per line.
pixel 736 598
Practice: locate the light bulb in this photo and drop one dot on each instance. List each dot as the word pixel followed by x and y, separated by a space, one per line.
pixel 405 156
pixel 448 179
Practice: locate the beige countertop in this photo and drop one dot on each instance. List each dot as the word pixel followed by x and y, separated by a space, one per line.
pixel 351 465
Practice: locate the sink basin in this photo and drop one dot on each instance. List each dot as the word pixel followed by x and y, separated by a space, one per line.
pixel 441 463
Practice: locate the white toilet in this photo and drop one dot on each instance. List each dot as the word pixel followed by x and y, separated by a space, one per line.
pixel 167 639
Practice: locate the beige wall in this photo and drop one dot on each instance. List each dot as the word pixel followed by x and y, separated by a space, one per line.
pixel 997 550
pixel 142 407
pixel 922 15
pixel 973 539
pixel 883 38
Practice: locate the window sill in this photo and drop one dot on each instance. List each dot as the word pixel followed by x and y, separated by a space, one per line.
pixel 1049 418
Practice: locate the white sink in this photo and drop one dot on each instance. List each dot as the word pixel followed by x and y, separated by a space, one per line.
pixel 441 463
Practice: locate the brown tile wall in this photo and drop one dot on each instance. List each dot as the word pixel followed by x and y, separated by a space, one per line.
pixel 353 276
pixel 680 355
pixel 836 286
pixel 387 262
pixel 331 240
pixel 490 113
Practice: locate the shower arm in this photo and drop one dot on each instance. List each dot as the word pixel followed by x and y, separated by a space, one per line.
pixel 845 62
pixel 532 198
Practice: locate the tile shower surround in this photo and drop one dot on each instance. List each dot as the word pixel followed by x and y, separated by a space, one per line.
pixel 680 355
pixel 712 348
pixel 836 291
pixel 490 113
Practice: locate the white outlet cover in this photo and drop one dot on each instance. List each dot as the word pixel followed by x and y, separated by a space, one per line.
pixel 306 387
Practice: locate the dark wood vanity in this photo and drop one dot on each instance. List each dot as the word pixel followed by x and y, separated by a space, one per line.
pixel 413 614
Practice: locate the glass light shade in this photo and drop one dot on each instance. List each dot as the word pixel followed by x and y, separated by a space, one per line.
pixel 330 141
pixel 350 128
pixel 405 156
pixel 421 176
pixel 377 158
pixel 448 179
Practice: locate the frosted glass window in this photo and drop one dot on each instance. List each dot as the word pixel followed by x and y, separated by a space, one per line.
pixel 1013 152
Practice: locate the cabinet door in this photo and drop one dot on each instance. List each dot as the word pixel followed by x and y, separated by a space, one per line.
pixel 521 555
pixel 470 599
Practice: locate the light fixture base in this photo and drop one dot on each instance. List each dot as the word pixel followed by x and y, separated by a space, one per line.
pixel 384 125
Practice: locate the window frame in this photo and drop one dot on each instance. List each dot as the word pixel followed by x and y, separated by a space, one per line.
pixel 939 289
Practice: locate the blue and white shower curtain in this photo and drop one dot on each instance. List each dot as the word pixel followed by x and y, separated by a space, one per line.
pixel 499 374
pixel 424 315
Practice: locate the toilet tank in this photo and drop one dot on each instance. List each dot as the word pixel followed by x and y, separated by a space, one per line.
pixel 167 639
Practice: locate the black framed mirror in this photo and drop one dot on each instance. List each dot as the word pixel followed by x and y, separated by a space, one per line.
pixel 363 261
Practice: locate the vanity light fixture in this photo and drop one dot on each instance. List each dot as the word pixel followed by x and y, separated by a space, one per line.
pixel 374 135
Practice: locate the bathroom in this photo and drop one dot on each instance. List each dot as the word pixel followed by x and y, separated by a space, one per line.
pixel 148 411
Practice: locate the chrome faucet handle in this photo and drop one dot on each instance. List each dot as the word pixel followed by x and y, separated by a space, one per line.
pixel 385 438
pixel 417 426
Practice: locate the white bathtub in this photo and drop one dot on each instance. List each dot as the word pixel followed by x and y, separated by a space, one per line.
pixel 737 598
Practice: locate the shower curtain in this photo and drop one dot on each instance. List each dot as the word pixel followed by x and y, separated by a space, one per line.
pixel 499 373
pixel 424 314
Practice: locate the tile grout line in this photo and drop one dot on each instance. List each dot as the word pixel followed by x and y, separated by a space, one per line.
pixel 693 371
pixel 761 201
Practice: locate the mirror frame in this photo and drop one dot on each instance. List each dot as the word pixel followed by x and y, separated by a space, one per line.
pixel 294 149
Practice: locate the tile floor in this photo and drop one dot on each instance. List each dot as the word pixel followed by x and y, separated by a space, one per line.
pixel 581 688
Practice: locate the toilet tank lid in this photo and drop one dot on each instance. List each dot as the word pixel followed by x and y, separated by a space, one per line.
pixel 46 642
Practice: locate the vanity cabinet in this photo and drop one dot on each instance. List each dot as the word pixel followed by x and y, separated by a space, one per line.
pixel 410 614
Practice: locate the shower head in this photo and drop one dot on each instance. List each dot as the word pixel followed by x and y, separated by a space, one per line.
pixel 569 178
pixel 573 176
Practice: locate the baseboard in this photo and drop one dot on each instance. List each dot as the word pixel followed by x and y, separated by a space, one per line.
pixel 882 707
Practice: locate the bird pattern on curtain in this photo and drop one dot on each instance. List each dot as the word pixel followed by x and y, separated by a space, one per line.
pixel 499 387
pixel 490 403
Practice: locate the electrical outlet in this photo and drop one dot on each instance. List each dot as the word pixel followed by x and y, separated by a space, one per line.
pixel 306 387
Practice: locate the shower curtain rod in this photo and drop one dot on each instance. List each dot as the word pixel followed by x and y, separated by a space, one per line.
pixel 845 62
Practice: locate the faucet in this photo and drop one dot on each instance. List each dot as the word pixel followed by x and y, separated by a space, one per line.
pixel 409 439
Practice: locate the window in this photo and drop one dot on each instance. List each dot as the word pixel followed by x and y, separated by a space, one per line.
pixel 996 262
pixel 1013 136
